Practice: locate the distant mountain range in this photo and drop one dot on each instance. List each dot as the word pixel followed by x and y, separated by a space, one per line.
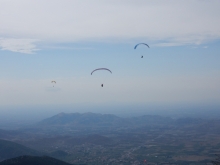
pixel 93 123
pixel 101 120
pixel 89 119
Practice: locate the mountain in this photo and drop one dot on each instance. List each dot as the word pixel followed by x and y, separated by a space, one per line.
pixel 85 119
pixel 102 120
pixel 33 160
pixel 10 149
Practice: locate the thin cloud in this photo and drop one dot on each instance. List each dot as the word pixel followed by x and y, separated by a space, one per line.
pixel 67 47
pixel 188 39
pixel 26 46
pixel 167 44
pixel 179 22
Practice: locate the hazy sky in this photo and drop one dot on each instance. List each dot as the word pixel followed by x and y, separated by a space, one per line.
pixel 64 40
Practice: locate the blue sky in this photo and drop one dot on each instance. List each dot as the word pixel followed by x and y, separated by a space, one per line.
pixel 65 40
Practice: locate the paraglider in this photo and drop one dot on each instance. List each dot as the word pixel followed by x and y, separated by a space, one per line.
pixel 141 44
pixel 101 69
pixel 53 82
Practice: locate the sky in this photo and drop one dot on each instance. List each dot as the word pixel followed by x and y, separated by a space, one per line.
pixel 65 40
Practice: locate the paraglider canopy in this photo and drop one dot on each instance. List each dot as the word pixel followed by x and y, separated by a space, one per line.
pixel 100 69
pixel 141 44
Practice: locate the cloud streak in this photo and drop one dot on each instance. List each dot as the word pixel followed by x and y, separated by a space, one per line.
pixel 26 46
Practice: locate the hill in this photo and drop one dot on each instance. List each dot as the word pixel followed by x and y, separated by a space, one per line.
pixel 33 160
pixel 10 149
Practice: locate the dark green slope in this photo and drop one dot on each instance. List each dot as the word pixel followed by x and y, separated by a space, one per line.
pixel 33 160
pixel 10 149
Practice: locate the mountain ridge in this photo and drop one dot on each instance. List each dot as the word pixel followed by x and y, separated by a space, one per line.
pixel 9 149
pixel 82 118
pixel 33 160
